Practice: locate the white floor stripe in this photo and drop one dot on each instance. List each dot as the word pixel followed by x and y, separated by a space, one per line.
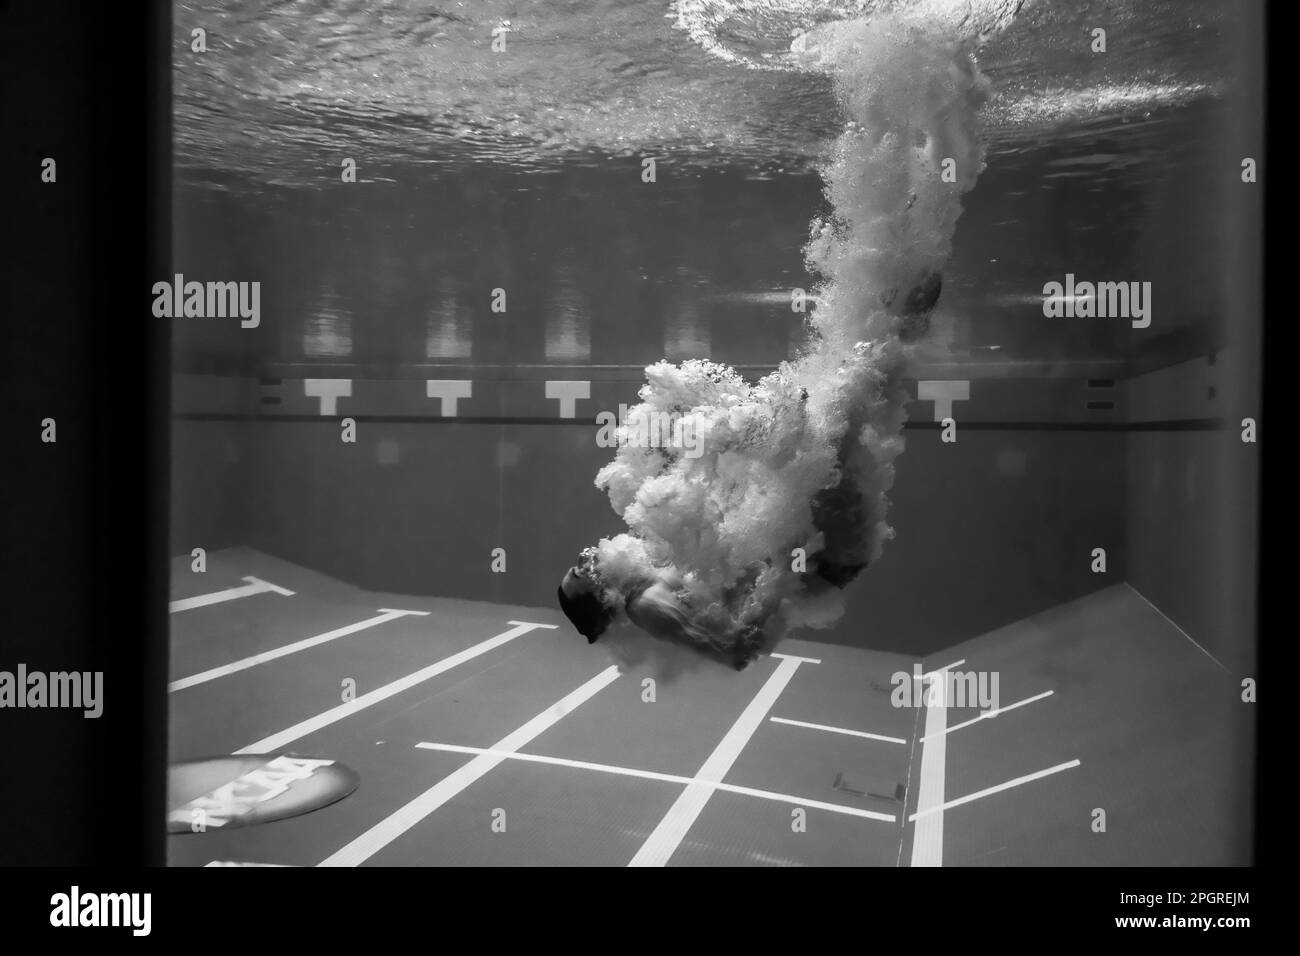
pixel 793 657
pixel 668 778
pixel 939 670
pixel 838 730
pixel 932 812
pixel 392 827
pixel 254 586
pixel 990 714
pixel 927 838
pixel 386 614
pixel 312 724
pixel 234 863
pixel 668 835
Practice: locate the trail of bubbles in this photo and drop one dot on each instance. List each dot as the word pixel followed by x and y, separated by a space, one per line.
pixel 801 462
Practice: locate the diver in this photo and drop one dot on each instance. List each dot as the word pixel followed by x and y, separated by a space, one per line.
pixel 653 606
pixel 839 512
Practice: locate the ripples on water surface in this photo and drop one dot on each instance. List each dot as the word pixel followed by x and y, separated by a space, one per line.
pixel 290 83
pixel 522 167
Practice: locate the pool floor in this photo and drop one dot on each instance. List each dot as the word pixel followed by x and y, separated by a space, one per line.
pixel 490 734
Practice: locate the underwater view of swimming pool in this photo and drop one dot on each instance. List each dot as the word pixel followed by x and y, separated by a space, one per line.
pixel 943 320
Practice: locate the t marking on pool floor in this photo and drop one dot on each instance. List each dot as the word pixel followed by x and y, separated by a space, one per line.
pixel 927 837
pixel 254 586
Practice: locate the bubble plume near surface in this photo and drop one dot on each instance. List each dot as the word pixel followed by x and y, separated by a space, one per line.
pixel 801 462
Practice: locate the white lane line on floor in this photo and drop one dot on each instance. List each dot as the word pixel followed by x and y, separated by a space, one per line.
pixel 397 823
pixel 236 863
pixel 939 670
pixel 668 835
pixel 990 714
pixel 927 838
pixel 1175 626
pixel 932 812
pixel 312 724
pixel 793 657
pixel 837 730
pixel 667 778
pixel 254 586
pixel 386 614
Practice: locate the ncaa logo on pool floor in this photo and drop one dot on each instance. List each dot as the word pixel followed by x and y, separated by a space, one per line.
pixel 228 792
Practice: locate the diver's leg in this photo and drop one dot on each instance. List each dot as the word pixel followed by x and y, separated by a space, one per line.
pixel 843 516
pixel 918 305
pixel 839 513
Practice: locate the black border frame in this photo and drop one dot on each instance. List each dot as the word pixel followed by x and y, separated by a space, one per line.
pixel 91 84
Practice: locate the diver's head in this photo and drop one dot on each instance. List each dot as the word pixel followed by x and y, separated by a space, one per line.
pixel 581 603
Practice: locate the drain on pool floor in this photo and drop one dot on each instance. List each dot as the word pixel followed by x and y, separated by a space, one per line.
pixel 878 789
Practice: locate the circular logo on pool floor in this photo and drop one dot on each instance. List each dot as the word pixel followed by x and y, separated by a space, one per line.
pixel 238 791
